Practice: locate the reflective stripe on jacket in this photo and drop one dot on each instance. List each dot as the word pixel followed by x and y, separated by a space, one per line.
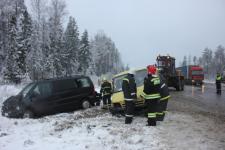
pixel 164 91
pixel 151 87
pixel 129 88
pixel 218 79
pixel 106 88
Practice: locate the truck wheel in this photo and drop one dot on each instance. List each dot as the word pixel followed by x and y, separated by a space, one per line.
pixel 28 114
pixel 86 104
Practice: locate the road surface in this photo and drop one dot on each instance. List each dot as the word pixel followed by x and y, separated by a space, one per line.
pixel 198 99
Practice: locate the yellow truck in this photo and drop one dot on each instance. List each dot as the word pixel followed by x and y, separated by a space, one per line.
pixel 117 98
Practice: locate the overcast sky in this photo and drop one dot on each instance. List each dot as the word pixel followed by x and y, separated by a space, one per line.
pixel 142 29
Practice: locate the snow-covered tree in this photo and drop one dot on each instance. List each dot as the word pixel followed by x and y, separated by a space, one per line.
pixel 84 56
pixel 207 59
pixel 24 40
pixel 105 55
pixel 40 66
pixel 219 59
pixel 36 44
pixel 10 52
pixel 12 70
pixel 57 51
pixel 71 47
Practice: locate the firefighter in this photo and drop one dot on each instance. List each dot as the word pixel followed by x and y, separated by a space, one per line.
pixel 106 91
pixel 164 93
pixel 218 83
pixel 151 94
pixel 130 94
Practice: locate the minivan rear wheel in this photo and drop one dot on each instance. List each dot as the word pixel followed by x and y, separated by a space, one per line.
pixel 86 104
pixel 28 114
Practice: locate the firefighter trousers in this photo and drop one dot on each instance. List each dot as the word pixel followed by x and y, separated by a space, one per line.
pixel 129 111
pixel 218 88
pixel 152 108
pixel 162 106
pixel 107 100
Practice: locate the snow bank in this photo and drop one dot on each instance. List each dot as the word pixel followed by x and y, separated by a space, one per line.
pixel 209 81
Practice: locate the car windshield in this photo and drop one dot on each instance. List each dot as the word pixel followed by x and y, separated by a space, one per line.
pixel 117 83
pixel 139 77
pixel 161 63
pixel 197 72
pixel 27 89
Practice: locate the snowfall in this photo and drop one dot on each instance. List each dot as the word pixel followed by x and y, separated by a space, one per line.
pixel 97 129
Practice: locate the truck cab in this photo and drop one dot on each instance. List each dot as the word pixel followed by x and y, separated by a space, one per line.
pixel 197 75
pixel 193 74
pixel 173 77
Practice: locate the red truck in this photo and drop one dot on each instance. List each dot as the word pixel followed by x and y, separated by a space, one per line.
pixel 193 74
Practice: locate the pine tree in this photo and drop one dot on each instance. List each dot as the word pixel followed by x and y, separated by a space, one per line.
pixel 24 40
pixel 105 55
pixel 12 71
pixel 72 43
pixel 84 53
pixel 57 49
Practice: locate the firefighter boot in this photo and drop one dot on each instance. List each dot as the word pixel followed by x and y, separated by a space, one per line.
pixel 128 120
pixel 160 116
pixel 151 122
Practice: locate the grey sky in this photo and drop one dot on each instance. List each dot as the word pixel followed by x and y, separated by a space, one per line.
pixel 142 29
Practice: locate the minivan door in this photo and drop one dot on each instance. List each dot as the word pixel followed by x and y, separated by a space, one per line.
pixel 66 95
pixel 40 98
pixel 85 89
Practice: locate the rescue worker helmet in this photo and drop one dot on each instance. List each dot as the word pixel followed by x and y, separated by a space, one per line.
pixel 104 79
pixel 151 69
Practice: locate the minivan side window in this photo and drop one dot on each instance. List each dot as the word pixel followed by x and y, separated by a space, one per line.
pixel 83 82
pixel 43 89
pixel 63 85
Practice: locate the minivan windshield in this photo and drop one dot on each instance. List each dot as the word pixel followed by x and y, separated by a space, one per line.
pixel 139 79
pixel 117 83
pixel 27 89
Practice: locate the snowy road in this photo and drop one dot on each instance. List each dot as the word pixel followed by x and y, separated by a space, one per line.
pixel 195 121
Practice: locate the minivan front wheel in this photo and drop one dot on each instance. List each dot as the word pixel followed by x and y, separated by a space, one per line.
pixel 86 104
pixel 28 114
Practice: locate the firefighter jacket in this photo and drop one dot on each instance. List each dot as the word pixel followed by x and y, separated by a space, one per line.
pixel 151 87
pixel 129 88
pixel 218 79
pixel 106 88
pixel 164 91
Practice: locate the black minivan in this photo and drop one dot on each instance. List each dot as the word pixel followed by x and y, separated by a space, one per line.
pixel 51 96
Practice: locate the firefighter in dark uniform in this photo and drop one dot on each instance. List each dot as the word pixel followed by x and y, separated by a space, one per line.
pixel 130 94
pixel 106 91
pixel 218 83
pixel 164 93
pixel 151 94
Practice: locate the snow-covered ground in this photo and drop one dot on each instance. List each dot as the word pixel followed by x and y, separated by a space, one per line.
pixel 96 129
